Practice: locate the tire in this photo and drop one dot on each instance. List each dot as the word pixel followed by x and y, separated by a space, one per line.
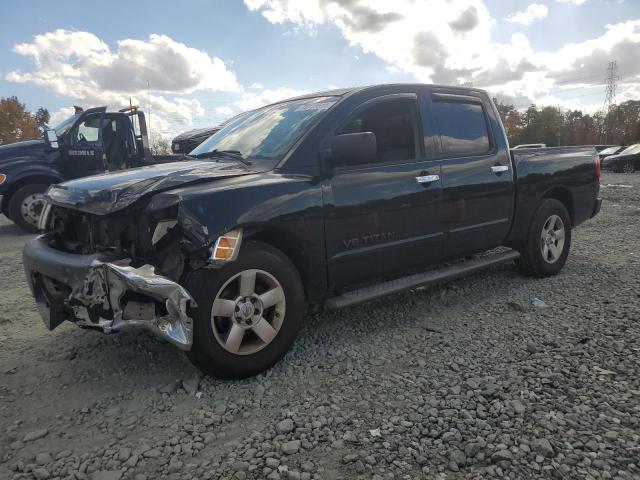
pixel 628 167
pixel 534 259
pixel 25 206
pixel 214 349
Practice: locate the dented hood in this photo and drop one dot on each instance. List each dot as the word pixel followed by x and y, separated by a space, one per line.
pixel 110 192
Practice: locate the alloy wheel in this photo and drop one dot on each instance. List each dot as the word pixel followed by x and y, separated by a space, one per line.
pixel 552 239
pixel 248 312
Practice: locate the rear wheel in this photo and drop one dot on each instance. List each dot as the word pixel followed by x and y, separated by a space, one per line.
pixel 26 206
pixel 248 314
pixel 548 241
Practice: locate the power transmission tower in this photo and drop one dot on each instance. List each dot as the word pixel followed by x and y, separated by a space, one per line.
pixel 610 97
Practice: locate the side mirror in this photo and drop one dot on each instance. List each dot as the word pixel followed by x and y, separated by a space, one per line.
pixel 354 148
pixel 51 138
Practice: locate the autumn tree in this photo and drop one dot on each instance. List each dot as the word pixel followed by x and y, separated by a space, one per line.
pixel 553 127
pixel 160 145
pixel 16 123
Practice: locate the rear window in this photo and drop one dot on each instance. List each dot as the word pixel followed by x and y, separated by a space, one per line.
pixel 463 128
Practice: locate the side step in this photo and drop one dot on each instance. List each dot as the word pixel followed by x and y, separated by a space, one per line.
pixel 365 294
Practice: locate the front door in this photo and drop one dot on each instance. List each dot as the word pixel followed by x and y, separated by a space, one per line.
pixel 382 218
pixel 83 152
pixel 477 181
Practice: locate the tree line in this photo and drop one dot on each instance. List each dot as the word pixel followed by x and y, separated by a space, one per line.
pixel 18 124
pixel 555 127
pixel 549 125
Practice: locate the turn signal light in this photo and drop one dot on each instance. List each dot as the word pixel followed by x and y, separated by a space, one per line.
pixel 3 178
pixel 227 246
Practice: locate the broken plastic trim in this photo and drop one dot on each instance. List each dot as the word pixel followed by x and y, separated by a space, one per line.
pixel 106 284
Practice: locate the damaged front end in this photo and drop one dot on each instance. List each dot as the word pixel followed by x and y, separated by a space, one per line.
pixel 96 292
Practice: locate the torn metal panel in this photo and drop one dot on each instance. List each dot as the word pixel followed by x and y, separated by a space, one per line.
pixel 109 295
pixel 104 288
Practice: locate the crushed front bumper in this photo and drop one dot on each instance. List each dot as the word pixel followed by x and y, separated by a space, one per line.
pixel 95 291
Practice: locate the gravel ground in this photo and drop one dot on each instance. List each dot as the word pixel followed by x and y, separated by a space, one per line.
pixel 465 380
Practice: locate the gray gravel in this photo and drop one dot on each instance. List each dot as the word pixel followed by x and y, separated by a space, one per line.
pixel 468 380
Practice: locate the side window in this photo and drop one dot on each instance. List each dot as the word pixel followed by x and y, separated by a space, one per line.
pixel 394 124
pixel 87 131
pixel 463 128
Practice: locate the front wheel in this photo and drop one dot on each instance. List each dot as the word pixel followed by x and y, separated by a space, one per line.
pixel 26 206
pixel 628 167
pixel 248 314
pixel 548 241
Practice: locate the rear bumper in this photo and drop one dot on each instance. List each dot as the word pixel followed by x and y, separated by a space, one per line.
pixel 95 291
pixel 596 208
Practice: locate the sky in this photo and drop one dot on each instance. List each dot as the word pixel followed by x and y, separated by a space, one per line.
pixel 195 63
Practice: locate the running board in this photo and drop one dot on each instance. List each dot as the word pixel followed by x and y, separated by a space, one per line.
pixel 365 294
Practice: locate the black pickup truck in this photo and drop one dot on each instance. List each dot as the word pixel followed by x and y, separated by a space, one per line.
pixel 86 143
pixel 322 201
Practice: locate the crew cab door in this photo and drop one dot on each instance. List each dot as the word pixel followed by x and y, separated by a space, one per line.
pixel 82 151
pixel 382 217
pixel 476 172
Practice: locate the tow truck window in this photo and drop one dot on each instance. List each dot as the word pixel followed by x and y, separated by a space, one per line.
pixel 65 125
pixel 463 128
pixel 88 131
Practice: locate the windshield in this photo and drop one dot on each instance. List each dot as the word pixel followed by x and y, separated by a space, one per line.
pixel 630 150
pixel 65 125
pixel 609 151
pixel 269 132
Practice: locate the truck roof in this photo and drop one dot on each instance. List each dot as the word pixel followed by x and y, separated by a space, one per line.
pixel 342 92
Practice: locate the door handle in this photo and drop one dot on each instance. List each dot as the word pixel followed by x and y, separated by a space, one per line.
pixel 427 178
pixel 499 168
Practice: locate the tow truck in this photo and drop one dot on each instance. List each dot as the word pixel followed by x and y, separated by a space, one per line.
pixel 86 143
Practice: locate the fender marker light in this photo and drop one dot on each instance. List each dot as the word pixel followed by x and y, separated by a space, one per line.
pixel 227 246
pixel 3 178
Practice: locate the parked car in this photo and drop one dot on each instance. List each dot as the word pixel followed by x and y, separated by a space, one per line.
pixel 187 141
pixel 86 143
pixel 529 145
pixel 604 153
pixel 342 197
pixel 601 147
pixel 627 161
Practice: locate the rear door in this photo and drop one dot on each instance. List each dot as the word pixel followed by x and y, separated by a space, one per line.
pixel 477 178
pixel 382 218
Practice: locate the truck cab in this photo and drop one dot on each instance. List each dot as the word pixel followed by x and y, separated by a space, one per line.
pixel 86 143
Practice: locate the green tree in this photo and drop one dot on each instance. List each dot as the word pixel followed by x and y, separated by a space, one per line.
pixel 42 119
pixel 16 123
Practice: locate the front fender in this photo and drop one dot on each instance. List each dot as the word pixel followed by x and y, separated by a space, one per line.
pixel 290 208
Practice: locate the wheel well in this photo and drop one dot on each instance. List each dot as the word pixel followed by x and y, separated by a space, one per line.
pixel 44 179
pixel 278 240
pixel 564 196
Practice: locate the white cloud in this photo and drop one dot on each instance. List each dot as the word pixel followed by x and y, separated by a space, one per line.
pixel 535 11
pixel 256 99
pixel 227 111
pixel 81 66
pixel 575 2
pixel 450 42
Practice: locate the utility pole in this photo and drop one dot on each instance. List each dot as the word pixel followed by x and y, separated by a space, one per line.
pixel 610 97
pixel 149 104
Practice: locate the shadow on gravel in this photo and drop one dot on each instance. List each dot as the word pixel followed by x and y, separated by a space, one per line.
pixel 13 230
